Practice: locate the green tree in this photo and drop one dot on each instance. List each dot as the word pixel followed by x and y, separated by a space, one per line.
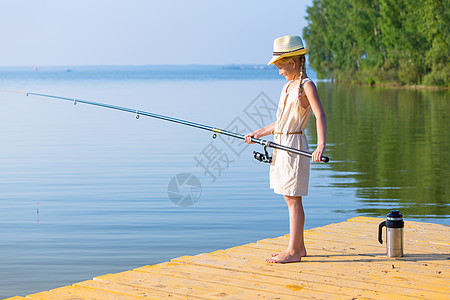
pixel 396 41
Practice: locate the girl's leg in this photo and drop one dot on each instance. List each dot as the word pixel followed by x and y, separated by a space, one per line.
pixel 296 248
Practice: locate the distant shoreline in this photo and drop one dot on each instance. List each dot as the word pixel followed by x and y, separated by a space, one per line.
pixel 232 66
pixel 395 86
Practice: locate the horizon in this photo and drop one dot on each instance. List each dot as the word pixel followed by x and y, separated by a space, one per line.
pixel 135 65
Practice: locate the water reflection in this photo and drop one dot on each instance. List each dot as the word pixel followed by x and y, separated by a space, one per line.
pixel 391 146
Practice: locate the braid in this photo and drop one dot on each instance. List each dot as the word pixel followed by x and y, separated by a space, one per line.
pixel 302 75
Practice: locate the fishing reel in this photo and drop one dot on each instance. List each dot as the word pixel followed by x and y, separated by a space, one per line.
pixel 263 157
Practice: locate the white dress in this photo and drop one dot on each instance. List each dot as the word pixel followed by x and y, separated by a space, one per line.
pixel 289 172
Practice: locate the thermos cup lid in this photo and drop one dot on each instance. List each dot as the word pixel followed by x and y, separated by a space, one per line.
pixel 395 215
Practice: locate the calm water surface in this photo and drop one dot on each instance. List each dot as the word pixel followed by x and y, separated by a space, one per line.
pixel 84 190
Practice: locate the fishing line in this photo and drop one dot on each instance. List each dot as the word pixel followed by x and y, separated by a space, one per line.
pixel 263 157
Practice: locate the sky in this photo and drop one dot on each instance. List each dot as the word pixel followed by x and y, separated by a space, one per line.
pixel 144 32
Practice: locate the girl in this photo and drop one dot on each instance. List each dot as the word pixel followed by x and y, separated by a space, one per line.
pixel 289 173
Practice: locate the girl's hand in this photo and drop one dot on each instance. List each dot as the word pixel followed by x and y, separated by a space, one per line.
pixel 248 137
pixel 317 154
pixel 259 133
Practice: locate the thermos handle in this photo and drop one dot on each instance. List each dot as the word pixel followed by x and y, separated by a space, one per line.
pixel 382 224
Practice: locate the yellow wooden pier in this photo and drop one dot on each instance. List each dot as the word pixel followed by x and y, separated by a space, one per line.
pixel 345 261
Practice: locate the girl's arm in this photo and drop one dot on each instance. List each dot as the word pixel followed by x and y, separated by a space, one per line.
pixel 321 120
pixel 260 133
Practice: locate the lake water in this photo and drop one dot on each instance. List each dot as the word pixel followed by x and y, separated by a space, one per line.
pixel 84 191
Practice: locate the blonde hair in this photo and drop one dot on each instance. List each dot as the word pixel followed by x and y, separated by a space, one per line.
pixel 302 74
pixel 301 60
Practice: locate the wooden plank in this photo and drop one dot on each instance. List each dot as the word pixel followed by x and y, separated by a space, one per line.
pixel 335 237
pixel 412 224
pixel 436 258
pixel 79 292
pixel 414 227
pixel 187 287
pixel 368 266
pixel 126 289
pixel 372 264
pixel 272 283
pixel 234 282
pixel 421 243
pixel 344 261
pixel 240 261
pixel 370 231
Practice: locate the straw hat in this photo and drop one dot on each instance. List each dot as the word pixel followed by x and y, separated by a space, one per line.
pixel 287 46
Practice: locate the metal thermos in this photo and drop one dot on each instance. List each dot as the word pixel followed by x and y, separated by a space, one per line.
pixel 394 233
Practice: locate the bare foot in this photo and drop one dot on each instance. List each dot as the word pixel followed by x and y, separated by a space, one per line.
pixel 302 253
pixel 276 254
pixel 285 257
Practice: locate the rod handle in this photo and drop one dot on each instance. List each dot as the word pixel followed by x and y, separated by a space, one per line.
pixel 325 159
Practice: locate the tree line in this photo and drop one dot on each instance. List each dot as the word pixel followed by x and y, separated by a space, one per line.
pixel 380 41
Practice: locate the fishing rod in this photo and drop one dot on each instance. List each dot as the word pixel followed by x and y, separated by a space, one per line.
pixel 263 157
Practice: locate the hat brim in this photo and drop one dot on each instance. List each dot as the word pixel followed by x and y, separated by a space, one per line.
pixel 290 54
